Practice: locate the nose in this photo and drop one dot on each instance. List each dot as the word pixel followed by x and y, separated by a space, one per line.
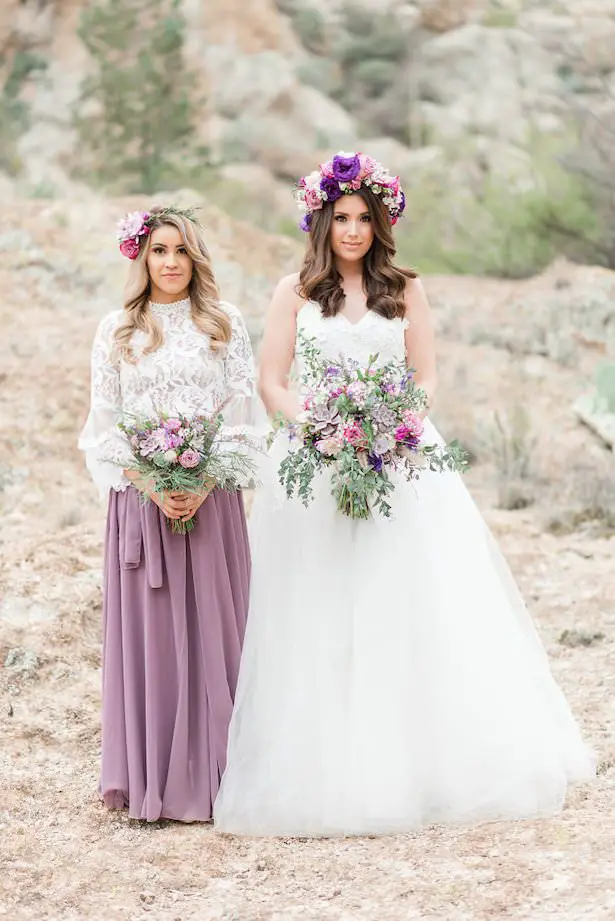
pixel 353 228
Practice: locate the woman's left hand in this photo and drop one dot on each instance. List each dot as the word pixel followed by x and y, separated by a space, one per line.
pixel 192 503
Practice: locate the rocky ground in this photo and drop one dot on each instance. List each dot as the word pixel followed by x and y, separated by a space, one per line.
pixel 503 345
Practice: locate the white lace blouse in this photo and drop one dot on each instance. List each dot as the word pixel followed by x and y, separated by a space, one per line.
pixel 183 376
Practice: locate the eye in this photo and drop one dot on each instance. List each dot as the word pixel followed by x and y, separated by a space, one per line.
pixel 158 250
pixel 183 251
pixel 366 218
pixel 340 218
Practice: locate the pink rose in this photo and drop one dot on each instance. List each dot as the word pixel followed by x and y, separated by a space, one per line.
pixel 331 446
pixel 355 184
pixel 327 169
pixel 414 424
pixel 353 434
pixel 367 166
pixel 189 458
pixel 172 425
pixel 313 200
pixel 130 248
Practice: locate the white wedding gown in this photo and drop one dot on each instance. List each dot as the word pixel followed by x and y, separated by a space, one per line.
pixel 391 676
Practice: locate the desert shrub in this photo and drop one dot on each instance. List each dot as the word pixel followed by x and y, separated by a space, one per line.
pixel 585 500
pixel 14 111
pixel 605 387
pixel 509 443
pixel 311 28
pixel 135 114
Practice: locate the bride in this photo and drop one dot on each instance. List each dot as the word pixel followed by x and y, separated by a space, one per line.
pixel 391 676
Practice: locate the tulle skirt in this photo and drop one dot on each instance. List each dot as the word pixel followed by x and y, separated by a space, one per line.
pixel 391 676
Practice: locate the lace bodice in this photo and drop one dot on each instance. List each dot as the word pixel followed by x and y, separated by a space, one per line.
pixel 183 376
pixel 336 336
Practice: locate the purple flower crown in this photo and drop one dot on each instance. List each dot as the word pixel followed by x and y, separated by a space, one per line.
pixel 344 174
pixel 136 226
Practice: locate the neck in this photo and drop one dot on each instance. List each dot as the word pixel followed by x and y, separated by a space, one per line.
pixel 157 296
pixel 351 272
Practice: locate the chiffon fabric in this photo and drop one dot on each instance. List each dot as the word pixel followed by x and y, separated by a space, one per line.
pixel 174 615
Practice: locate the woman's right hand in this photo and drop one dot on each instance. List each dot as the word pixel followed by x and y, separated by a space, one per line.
pixel 173 505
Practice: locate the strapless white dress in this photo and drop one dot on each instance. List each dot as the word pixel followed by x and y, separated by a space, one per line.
pixel 391 675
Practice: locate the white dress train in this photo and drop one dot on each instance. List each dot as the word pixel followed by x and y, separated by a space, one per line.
pixel 391 676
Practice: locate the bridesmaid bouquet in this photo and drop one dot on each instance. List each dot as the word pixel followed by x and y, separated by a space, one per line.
pixel 362 424
pixel 186 454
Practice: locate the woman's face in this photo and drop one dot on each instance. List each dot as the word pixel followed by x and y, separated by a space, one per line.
pixel 352 231
pixel 169 265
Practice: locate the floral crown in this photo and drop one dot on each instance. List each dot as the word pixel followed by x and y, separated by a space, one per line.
pixel 344 174
pixel 137 225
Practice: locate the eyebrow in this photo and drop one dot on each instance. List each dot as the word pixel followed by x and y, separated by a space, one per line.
pixel 347 213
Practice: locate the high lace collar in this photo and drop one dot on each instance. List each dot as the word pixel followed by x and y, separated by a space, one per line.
pixel 175 307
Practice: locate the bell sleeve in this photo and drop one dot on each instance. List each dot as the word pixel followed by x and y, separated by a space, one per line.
pixel 107 449
pixel 245 422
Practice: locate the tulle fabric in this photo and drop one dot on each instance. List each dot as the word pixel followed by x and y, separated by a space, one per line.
pixel 391 676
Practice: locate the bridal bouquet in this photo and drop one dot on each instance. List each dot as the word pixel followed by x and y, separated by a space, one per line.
pixel 186 454
pixel 362 424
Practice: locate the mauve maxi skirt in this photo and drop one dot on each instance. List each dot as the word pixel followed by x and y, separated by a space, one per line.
pixel 174 615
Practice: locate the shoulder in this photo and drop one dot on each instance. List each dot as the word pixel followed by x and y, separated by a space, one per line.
pixel 230 310
pixel 415 296
pixel 287 293
pixel 238 322
pixel 109 323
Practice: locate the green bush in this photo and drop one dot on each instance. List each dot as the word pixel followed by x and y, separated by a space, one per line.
pixel 311 29
pixel 321 73
pixel 605 386
pixel 500 19
pixel 136 111
pixel 14 112
pixel 501 229
pixel 376 75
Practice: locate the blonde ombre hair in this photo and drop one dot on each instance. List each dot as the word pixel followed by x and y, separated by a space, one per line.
pixel 203 290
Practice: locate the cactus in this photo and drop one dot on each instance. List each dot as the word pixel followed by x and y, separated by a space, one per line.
pixel 605 387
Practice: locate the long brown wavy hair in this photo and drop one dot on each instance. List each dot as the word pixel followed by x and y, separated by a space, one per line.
pixel 207 314
pixel 384 283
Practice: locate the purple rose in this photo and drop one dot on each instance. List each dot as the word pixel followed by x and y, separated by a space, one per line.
pixel 402 204
pixel 345 169
pixel 331 189
pixel 306 223
pixel 375 462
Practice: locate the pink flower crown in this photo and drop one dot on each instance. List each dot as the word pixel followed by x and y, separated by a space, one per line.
pixel 136 226
pixel 344 174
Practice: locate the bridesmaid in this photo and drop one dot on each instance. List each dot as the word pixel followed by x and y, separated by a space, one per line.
pixel 174 605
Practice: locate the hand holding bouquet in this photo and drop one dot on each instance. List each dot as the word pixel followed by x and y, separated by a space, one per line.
pixel 187 455
pixel 362 424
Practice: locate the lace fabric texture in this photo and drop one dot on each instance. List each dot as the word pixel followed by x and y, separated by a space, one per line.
pixel 183 376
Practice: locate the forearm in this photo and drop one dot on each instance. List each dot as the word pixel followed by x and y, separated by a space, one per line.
pixel 428 385
pixel 279 399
